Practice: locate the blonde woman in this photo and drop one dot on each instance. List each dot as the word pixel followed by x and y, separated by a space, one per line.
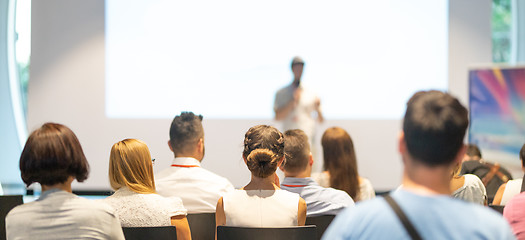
pixel 135 200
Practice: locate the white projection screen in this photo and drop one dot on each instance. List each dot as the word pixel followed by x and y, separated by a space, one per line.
pixel 226 59
pixel 123 69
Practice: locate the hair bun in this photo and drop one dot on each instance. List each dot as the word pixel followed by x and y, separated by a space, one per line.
pixel 261 156
pixel 262 162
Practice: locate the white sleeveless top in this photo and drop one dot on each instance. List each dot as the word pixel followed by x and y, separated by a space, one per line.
pixel 512 189
pixel 261 208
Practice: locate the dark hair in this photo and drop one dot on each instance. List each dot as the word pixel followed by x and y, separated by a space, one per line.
pixel 434 127
pixel 263 149
pixel 296 150
pixel 473 151
pixel 186 129
pixel 522 155
pixel 51 155
pixel 340 161
pixel 297 61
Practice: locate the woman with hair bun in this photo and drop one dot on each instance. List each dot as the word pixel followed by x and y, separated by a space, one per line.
pixel 262 203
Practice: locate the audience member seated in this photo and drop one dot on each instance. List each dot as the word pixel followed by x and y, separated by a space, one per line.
pixel 54 158
pixel 297 170
pixel 135 201
pixel 262 203
pixel 513 187
pixel 492 175
pixel 340 166
pixel 515 215
pixel 431 145
pixel 198 188
pixel 467 187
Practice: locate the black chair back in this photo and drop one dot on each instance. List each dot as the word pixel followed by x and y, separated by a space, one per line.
pixel 202 225
pixel 284 233
pixel 497 208
pixel 322 223
pixel 6 204
pixel 146 233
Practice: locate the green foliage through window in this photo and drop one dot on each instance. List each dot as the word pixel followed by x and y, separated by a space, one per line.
pixel 501 30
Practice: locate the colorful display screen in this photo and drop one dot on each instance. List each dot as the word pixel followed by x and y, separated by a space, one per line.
pixel 497 112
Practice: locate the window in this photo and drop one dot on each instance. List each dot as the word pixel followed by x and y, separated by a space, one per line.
pixel 501 31
pixel 23 46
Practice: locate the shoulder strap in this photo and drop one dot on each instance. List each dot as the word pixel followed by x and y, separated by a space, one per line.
pixel 403 218
pixel 494 168
pixel 523 184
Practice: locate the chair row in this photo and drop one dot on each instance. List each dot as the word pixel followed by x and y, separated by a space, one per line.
pixel 226 232
pixel 202 227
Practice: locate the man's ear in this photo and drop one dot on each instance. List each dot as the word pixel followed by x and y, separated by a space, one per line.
pixel 200 145
pixel 401 143
pixel 311 160
pixel 169 145
pixel 402 147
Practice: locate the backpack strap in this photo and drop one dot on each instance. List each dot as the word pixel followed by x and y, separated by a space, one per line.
pixel 402 217
pixel 502 176
pixel 523 184
pixel 493 170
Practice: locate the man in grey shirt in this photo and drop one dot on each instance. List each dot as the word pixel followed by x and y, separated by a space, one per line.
pixel 297 170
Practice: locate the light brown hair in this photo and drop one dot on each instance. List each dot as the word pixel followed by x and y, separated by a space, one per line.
pixel 130 166
pixel 296 150
pixel 263 149
pixel 185 131
pixel 340 161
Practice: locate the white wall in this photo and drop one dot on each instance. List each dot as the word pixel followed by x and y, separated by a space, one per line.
pixel 470 41
pixel 67 86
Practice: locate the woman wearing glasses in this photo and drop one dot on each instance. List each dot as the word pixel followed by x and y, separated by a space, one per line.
pixel 135 200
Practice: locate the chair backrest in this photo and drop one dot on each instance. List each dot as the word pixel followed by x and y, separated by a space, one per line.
pixel 497 208
pixel 284 233
pixel 6 204
pixel 140 233
pixel 202 225
pixel 322 223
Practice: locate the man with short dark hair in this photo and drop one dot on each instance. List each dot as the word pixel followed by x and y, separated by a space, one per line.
pixel 295 104
pixel 198 188
pixel 297 170
pixel 492 175
pixel 431 144
pixel 472 153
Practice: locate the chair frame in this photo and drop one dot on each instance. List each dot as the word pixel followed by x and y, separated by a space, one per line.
pixel 281 233
pixel 138 233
